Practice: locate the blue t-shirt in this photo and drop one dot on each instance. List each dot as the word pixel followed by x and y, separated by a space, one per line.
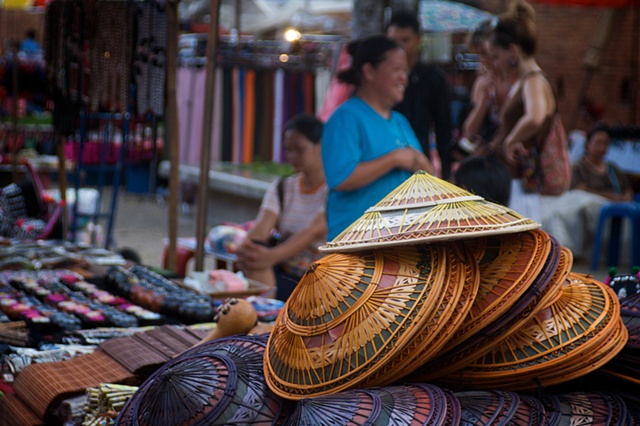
pixel 356 133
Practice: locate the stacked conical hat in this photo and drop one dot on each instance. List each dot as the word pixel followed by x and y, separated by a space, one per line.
pixel 574 335
pixel 217 382
pixel 586 408
pixel 543 291
pixel 357 319
pixel 427 209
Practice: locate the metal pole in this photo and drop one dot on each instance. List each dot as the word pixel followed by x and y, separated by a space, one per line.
pixel 207 129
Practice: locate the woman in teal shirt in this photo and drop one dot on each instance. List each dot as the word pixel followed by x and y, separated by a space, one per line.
pixel 367 148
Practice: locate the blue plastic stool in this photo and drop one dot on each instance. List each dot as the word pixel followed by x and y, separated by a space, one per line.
pixel 616 212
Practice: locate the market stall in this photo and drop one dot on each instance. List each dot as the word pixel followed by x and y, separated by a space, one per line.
pixel 453 307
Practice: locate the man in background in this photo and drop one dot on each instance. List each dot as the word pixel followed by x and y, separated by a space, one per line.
pixel 29 45
pixel 426 97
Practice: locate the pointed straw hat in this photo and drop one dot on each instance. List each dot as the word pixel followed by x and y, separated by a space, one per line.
pixel 544 290
pixel 217 382
pixel 350 315
pixel 460 286
pixel 510 264
pixel 425 209
pixel 576 334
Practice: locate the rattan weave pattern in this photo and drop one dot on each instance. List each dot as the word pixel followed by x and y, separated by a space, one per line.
pixel 423 189
pixel 530 412
pixel 541 293
pixel 420 405
pixel 351 407
pixel 335 333
pixel 216 383
pixel 460 289
pixel 509 266
pixel 584 408
pixel 567 339
pixel 425 209
pixel 487 407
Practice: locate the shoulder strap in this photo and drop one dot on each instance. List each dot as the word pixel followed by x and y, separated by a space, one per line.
pixel 281 193
pixel 614 180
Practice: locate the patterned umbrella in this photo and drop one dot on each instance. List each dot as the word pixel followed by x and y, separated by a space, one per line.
pixel 449 16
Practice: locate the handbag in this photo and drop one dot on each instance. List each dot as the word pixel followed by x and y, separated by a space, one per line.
pixel 554 164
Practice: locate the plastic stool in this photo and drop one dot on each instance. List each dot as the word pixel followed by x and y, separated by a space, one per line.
pixel 183 255
pixel 616 212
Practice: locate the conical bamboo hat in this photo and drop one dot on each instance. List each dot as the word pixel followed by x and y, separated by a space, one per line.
pixel 509 323
pixel 349 315
pixel 425 209
pixel 574 335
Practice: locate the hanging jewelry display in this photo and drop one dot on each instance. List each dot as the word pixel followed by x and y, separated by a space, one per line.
pixel 111 57
pixel 150 56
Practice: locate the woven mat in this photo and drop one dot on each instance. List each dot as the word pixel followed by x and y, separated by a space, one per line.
pixel 144 352
pixel 43 386
pixel 133 354
pixel 16 413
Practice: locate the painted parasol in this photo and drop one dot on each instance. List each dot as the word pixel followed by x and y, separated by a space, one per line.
pixel 449 16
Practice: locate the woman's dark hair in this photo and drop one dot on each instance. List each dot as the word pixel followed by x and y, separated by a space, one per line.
pixel 487 177
pixel 479 35
pixel 405 19
pixel 309 125
pixel 516 26
pixel 371 50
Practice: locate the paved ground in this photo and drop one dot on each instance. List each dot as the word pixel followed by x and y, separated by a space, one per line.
pixel 142 225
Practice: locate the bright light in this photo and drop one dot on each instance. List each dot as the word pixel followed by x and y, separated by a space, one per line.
pixel 292 35
pixel 284 58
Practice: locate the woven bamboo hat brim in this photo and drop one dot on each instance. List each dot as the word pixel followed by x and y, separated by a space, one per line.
pixel 425 209
pixel 420 405
pixel 530 411
pixel 539 295
pixel 349 315
pixel 508 267
pixel 454 411
pixel 631 303
pixel 579 332
pixel 460 289
pixel 632 323
pixel 488 407
pixel 585 408
pixel 349 407
pixel 217 382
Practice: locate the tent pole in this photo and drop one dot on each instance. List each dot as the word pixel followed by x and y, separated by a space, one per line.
pixel 62 185
pixel 172 124
pixel 207 130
